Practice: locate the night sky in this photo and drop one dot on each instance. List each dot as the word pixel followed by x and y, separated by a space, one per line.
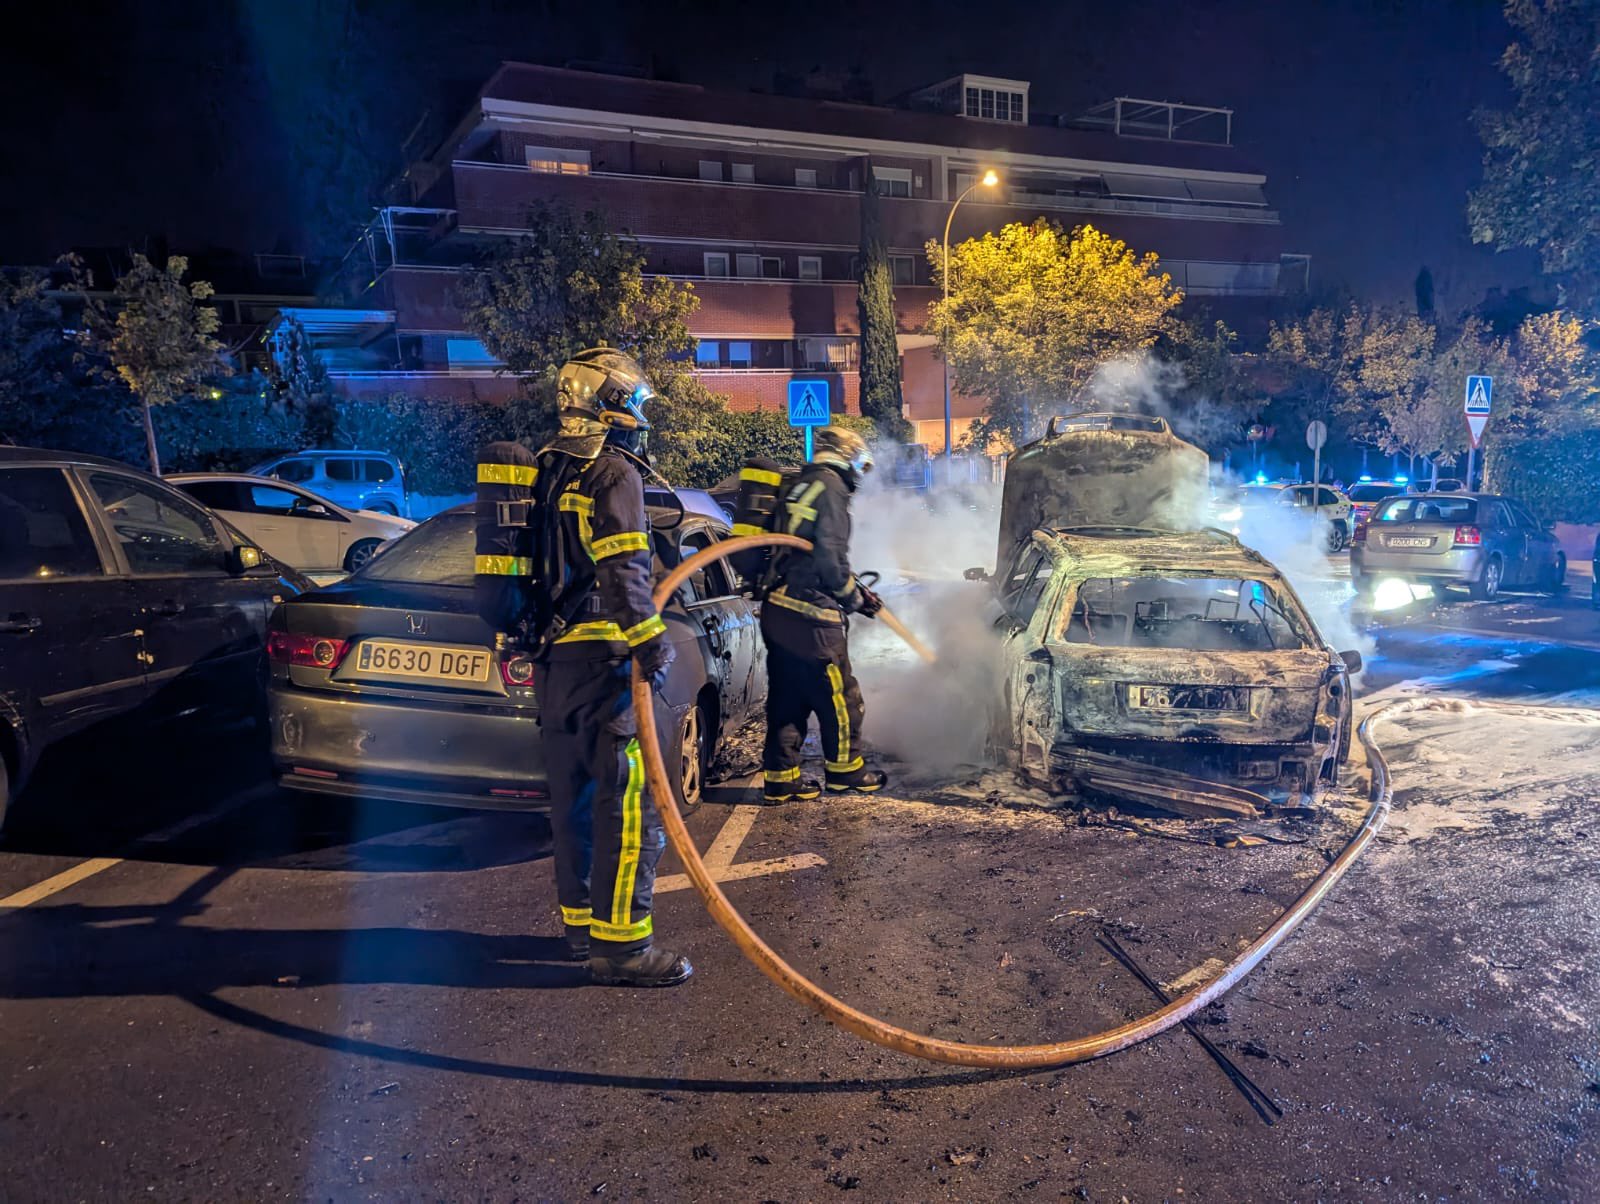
pixel 195 122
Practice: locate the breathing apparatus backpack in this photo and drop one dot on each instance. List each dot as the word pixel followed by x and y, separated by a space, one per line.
pixel 521 578
pixel 757 510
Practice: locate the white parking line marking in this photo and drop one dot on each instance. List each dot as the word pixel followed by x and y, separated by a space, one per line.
pixel 723 849
pixel 73 875
pixel 750 869
pixel 719 857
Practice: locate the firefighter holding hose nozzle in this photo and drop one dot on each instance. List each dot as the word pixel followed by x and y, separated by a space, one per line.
pixel 803 620
pixel 564 565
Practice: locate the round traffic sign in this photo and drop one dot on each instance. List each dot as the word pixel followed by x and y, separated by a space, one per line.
pixel 1316 435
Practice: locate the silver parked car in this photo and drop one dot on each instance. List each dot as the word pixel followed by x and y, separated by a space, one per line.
pixel 1478 540
pixel 294 525
pixel 388 685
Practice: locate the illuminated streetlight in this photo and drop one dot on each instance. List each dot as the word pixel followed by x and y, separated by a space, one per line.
pixel 989 180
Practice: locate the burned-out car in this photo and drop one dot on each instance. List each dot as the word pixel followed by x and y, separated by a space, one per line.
pixel 1177 669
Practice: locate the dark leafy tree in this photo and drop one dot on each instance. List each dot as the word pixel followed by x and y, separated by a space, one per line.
pixel 157 337
pixel 569 283
pixel 1541 162
pixel 881 399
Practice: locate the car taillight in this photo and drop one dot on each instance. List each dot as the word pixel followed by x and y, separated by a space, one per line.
pixel 311 651
pixel 1468 537
pixel 1359 535
pixel 516 670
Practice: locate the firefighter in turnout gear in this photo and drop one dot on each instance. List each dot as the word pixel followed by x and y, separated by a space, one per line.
pixel 803 619
pixel 591 575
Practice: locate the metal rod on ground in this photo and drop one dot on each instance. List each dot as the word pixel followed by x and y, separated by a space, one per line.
pixel 935 1049
pixel 888 619
pixel 1265 1106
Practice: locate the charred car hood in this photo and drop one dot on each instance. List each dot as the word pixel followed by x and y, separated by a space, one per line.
pixel 1155 693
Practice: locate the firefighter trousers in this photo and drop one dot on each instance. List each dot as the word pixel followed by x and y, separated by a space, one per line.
pixel 808 673
pixel 608 834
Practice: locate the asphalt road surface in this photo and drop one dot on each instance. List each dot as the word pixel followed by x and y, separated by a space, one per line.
pixel 213 990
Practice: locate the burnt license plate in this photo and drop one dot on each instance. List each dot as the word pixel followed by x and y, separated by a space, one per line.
pixel 1189 698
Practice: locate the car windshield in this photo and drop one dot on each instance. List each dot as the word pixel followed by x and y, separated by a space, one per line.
pixel 437 553
pixel 1372 493
pixel 1426 509
pixel 1200 613
pixel 1110 422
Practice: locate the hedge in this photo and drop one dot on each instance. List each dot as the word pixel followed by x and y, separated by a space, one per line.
pixel 1557 477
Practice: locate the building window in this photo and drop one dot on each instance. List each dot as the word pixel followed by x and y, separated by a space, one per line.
pixel 805 177
pixel 811 267
pixel 827 355
pixel 743 173
pixel 986 102
pixel 972 102
pixel 716 263
pixel 771 266
pixel 557 162
pixel 1016 106
pixel 710 169
pixel 748 266
pixel 708 354
pixel 904 268
pixel 996 105
pixel 892 181
pixel 739 355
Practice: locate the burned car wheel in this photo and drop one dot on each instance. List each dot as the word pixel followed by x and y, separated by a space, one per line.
pixel 694 755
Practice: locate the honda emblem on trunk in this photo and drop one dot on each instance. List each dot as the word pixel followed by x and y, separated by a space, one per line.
pixel 417 624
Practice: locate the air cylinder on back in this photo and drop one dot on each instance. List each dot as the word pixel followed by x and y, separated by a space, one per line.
pixel 760 481
pixel 506 541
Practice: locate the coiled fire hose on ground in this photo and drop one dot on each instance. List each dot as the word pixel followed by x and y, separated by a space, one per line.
pixel 932 1049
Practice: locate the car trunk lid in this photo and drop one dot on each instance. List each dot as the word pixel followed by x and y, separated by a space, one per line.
pixel 399 639
pixel 1226 697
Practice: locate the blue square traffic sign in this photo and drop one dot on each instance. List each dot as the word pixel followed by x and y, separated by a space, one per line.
pixel 808 403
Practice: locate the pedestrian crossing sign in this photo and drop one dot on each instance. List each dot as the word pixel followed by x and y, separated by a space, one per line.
pixel 808 403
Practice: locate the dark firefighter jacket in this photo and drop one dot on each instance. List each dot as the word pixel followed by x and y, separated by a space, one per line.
pixel 818 584
pixel 607 538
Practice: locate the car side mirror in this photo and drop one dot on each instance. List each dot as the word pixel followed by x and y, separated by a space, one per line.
pixel 316 508
pixel 975 574
pixel 242 558
pixel 1352 661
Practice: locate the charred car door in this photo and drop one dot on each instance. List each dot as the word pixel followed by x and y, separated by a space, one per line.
pixel 1027 720
pixel 728 627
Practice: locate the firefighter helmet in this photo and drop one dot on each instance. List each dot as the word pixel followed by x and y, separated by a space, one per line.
pixel 845 450
pixel 606 386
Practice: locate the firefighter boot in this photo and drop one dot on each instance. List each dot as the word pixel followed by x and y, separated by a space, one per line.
pixel 647 967
pixel 799 790
pixel 868 781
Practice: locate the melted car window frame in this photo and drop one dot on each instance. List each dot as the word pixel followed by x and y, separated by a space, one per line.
pixel 1268 610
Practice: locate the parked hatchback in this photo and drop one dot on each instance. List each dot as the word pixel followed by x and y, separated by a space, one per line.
pixel 357 480
pixel 293 525
pixel 119 594
pixel 1481 541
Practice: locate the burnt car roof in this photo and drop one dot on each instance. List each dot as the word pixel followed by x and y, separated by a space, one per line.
pixel 1135 550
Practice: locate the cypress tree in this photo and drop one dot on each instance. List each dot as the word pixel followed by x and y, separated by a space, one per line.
pixel 880 352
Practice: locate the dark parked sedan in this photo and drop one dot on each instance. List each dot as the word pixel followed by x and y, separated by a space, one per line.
pixel 389 685
pixel 118 594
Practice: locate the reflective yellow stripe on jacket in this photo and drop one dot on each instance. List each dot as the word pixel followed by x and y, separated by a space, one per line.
pixel 616 545
pixel 779 597
pixel 507 474
pixel 503 566
pixel 761 476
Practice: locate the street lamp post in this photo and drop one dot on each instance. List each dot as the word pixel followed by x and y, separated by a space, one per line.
pixel 989 180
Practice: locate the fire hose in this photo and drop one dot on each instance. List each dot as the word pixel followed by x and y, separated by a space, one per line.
pixel 933 1049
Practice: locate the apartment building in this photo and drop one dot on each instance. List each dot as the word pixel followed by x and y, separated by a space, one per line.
pixel 755 198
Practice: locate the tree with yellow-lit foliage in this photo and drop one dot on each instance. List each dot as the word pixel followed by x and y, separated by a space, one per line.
pixel 1035 311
